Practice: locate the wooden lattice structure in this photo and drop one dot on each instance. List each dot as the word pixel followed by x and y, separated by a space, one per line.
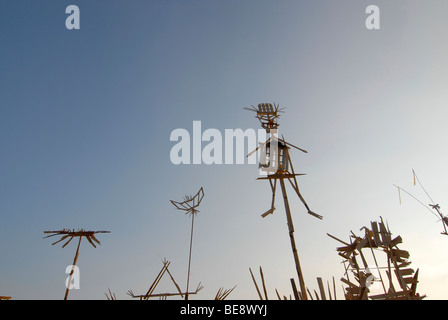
pixel 400 282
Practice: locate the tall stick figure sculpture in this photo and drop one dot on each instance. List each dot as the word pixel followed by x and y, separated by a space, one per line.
pixel 276 162
pixel 189 205
pixel 70 234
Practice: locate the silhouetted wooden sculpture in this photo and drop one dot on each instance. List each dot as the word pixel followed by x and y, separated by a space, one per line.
pixel 69 235
pixel 433 205
pixel 276 162
pixel 189 206
pixel 150 293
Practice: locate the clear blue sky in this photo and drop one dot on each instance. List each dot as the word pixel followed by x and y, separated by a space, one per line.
pixel 86 117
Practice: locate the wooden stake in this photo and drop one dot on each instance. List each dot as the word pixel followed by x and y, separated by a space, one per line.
pixel 329 291
pixel 67 290
pixel 294 289
pixel 278 296
pixel 177 287
pixel 157 279
pixel 255 283
pixel 311 296
pixel 334 289
pixel 189 257
pixel 321 288
pixel 293 242
pixel 264 285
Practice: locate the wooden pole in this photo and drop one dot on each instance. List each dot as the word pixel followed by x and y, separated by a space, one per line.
pixel 441 216
pixel 293 243
pixel 321 289
pixel 264 285
pixel 73 270
pixel 178 289
pixel 255 283
pixel 189 258
pixel 158 278
pixel 294 289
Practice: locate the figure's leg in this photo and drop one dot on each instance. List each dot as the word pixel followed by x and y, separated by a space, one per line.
pixel 296 188
pixel 273 188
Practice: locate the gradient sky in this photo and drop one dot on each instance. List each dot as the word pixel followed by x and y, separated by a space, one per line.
pixel 86 117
